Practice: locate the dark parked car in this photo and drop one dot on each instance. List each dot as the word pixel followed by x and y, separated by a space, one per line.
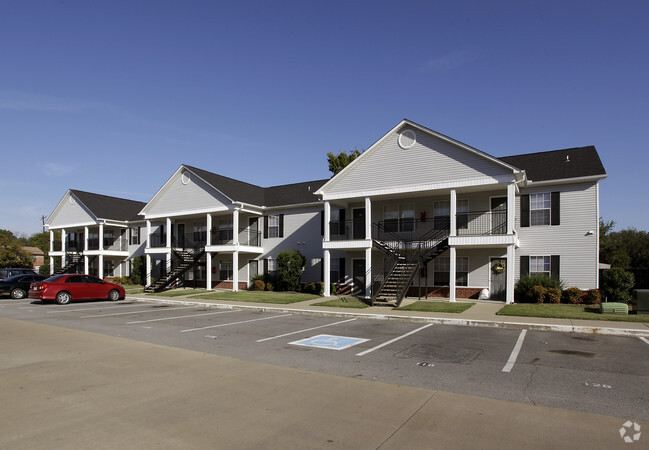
pixel 65 288
pixel 6 273
pixel 18 285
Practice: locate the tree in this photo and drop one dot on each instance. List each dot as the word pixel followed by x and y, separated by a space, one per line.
pixel 628 248
pixel 617 284
pixel 11 253
pixel 138 274
pixel 289 269
pixel 340 161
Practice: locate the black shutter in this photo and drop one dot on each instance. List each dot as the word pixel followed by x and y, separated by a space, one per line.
pixel 525 266
pixel 341 225
pixel 525 210
pixel 265 227
pixel 265 266
pixel 281 225
pixel 555 262
pixel 341 270
pixel 555 211
pixel 322 269
pixel 321 223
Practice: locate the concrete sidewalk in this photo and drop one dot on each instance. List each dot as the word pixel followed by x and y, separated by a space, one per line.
pixel 482 314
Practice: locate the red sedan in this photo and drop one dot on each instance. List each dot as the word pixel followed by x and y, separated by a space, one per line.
pixel 65 288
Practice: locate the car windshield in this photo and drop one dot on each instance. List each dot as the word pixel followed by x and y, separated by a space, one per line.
pixel 54 278
pixel 14 278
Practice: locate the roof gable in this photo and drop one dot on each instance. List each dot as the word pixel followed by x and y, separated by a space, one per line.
pixel 79 207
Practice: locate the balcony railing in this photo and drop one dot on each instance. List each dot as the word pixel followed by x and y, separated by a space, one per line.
pixel 158 240
pixel 246 236
pixel 475 223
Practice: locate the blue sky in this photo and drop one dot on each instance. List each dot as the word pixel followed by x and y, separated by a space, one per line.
pixel 112 96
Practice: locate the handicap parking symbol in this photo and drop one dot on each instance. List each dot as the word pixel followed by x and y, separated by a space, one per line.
pixel 329 342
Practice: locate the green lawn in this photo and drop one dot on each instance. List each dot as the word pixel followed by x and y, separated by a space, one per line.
pixel 343 302
pixel 177 292
pixel 133 288
pixel 282 298
pixel 585 312
pixel 428 306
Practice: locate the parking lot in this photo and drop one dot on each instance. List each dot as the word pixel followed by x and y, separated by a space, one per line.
pixel 590 373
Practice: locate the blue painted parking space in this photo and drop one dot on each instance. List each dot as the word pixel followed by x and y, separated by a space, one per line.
pixel 329 342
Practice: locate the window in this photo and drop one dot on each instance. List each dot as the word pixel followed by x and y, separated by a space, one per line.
pixel 225 270
pixel 200 232
pixel 273 226
pixel 334 270
pixel 540 265
pixel 462 214
pixel 109 238
pixel 109 268
pixel 225 231
pixel 540 209
pixel 253 268
pixel 271 266
pixel 399 218
pixel 442 214
pixel 135 235
pixel 442 271
pixel 201 271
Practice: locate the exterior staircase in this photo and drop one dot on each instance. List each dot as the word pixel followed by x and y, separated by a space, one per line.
pixel 183 259
pixel 74 260
pixel 406 256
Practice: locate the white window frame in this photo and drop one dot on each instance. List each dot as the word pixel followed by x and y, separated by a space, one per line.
pixel 540 208
pixel 273 226
pixel 540 262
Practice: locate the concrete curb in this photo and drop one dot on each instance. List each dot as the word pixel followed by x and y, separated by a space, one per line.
pixel 608 331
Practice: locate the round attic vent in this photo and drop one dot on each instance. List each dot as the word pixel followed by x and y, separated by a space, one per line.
pixel 407 139
pixel 71 200
pixel 184 178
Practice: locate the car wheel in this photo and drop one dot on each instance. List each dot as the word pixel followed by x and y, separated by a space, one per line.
pixel 63 298
pixel 18 293
pixel 113 295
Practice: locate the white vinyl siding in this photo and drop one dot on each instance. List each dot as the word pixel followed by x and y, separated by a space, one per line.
pixel 70 213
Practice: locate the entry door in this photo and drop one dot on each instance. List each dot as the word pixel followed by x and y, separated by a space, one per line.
pixel 180 229
pixel 358 276
pixel 253 231
pixel 359 223
pixel 499 215
pixel 498 270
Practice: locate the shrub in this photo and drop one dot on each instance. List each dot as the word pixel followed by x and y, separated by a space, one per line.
pixel 332 289
pixel 270 286
pixel 138 272
pixel 593 297
pixel 122 280
pixel 258 285
pixel 319 288
pixel 525 284
pixel 572 296
pixel 537 294
pixel 289 269
pixel 553 295
pixel 617 284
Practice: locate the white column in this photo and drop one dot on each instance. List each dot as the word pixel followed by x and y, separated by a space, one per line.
pixel 208 225
pixel 208 267
pixel 148 235
pixel 235 271
pixel 368 218
pixel 368 271
pixel 100 273
pixel 168 262
pixel 101 236
pixel 51 265
pixel 86 232
pixel 453 213
pixel 452 274
pixel 148 263
pixel 511 254
pixel 327 218
pixel 86 264
pixel 64 259
pixel 235 229
pixel 168 245
pixel 326 261
pixel 511 207
pixel 51 241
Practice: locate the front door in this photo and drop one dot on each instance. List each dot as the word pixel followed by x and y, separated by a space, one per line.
pixel 498 215
pixel 180 228
pixel 498 285
pixel 359 223
pixel 358 277
pixel 253 231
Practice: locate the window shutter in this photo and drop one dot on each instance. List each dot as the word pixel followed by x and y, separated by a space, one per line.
pixel 525 210
pixel 555 262
pixel 266 266
pixel 555 211
pixel 322 223
pixel 281 225
pixel 341 215
pixel 322 269
pixel 265 227
pixel 525 266
pixel 341 270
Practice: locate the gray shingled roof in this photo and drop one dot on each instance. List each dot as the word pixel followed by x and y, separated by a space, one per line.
pixel 105 207
pixel 240 191
pixel 559 164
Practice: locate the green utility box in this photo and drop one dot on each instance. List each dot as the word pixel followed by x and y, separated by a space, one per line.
pixel 642 297
pixel 615 308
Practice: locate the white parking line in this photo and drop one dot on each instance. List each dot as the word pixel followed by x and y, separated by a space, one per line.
pixel 235 323
pixel 183 317
pixel 138 312
pixel 302 331
pixel 393 340
pixel 517 348
pixel 60 309
pixel 646 341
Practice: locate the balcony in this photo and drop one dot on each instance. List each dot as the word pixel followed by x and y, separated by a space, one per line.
pixel 246 236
